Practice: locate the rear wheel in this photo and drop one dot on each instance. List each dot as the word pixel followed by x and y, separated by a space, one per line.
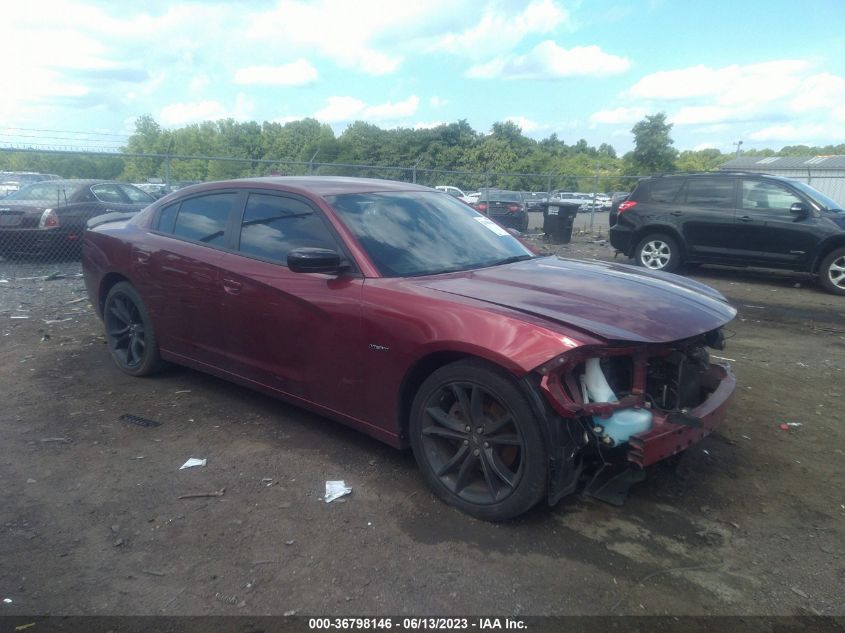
pixel 832 272
pixel 477 442
pixel 129 331
pixel 658 252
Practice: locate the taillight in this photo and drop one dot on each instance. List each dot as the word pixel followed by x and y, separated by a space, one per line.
pixel 481 206
pixel 49 220
pixel 628 204
pixel 513 208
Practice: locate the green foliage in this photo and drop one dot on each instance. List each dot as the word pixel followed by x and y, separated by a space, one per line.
pixel 427 155
pixel 702 160
pixel 653 152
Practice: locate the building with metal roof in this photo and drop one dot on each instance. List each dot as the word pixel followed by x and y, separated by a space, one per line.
pixel 825 173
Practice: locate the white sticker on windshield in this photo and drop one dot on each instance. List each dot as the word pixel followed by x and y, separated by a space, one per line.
pixel 487 222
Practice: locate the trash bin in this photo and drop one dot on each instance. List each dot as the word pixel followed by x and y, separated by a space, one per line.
pixel 558 218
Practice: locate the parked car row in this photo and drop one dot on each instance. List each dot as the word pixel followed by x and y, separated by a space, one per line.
pixel 50 216
pixel 12 181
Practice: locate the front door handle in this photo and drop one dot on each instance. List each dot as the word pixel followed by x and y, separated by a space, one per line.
pixel 675 213
pixel 231 286
pixel 745 218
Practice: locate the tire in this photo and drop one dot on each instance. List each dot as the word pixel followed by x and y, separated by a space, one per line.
pixel 477 442
pixel 129 332
pixel 658 251
pixel 832 272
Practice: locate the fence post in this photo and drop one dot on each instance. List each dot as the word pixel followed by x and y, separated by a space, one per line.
pixel 549 183
pixel 593 205
pixel 167 169
pixel 311 163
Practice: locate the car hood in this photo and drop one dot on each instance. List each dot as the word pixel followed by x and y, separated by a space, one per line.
pixel 613 301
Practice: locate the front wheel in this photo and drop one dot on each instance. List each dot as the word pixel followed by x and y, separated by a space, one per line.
pixel 477 442
pixel 129 332
pixel 832 272
pixel 658 252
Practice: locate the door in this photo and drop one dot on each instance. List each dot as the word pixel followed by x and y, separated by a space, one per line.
pixel 771 233
pixel 178 270
pixel 298 333
pixel 704 214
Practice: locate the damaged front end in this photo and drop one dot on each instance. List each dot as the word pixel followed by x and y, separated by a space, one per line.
pixel 633 406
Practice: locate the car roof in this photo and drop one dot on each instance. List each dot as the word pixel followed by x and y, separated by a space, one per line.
pixel 327 185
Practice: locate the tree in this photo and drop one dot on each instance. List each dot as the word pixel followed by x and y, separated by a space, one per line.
pixel 653 152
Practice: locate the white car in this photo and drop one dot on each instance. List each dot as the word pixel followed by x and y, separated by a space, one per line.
pixel 455 193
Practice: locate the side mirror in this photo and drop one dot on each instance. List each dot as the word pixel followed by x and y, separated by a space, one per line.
pixel 799 209
pixel 313 260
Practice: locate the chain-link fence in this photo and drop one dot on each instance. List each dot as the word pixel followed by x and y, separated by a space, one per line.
pixel 43 216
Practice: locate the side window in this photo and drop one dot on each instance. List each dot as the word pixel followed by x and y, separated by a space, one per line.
pixel 664 190
pixel 203 218
pixel 273 226
pixel 167 218
pixel 710 192
pixel 108 193
pixel 135 195
pixel 767 197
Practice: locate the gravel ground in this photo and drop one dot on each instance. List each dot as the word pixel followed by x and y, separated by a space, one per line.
pixel 91 521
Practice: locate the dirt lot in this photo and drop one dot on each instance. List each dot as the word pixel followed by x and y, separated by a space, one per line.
pixel 750 521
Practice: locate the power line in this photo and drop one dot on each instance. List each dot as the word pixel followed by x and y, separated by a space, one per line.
pixel 53 138
pixel 32 129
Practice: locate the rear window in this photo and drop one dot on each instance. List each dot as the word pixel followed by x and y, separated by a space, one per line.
pixel 203 219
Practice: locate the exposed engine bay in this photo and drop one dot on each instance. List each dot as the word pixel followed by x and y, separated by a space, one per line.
pixel 638 405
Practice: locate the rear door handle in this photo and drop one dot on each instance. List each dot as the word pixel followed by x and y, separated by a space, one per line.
pixel 675 213
pixel 142 257
pixel 745 218
pixel 231 286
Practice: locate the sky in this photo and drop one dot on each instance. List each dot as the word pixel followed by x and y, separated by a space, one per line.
pixel 767 73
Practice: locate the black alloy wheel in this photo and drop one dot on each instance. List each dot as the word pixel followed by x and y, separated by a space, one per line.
pixel 129 332
pixel 477 441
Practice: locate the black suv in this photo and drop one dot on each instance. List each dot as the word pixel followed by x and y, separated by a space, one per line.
pixel 734 218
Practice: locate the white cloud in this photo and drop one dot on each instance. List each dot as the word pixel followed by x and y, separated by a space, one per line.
pixel 549 61
pixel 199 83
pixel 525 124
pixel 800 133
pixel 348 33
pixel 498 31
pixel 616 116
pixel 694 115
pixel 703 146
pixel 729 86
pixel 296 73
pixel 819 92
pixel 398 110
pixel 340 109
pixel 437 102
pixel 182 113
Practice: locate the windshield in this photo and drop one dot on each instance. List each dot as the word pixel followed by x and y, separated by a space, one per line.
pixel 50 191
pixel 420 233
pixel 819 197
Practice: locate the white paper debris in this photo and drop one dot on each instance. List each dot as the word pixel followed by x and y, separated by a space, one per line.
pixel 193 461
pixel 336 490
pixel 7 600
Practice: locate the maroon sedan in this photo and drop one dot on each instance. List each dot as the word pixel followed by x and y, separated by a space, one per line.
pixel 404 313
